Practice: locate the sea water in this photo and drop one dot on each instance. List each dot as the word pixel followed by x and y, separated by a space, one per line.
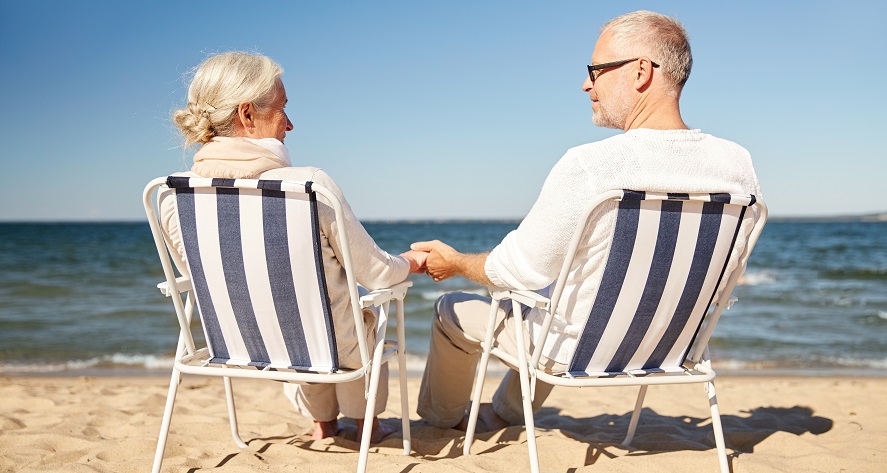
pixel 82 297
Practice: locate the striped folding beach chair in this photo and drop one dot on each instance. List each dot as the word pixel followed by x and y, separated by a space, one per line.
pixel 655 308
pixel 256 275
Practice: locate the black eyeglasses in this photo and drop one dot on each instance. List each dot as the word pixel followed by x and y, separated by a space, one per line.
pixel 594 71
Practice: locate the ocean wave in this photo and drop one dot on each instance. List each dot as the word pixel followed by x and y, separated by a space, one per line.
pixel 813 364
pixel 434 295
pixel 27 289
pixel 879 363
pixel 116 360
pixel 415 365
pixel 757 278
pixel 868 274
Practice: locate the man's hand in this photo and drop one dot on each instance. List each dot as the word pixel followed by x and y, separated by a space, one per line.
pixel 416 259
pixel 442 261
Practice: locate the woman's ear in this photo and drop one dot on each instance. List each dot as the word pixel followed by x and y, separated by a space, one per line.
pixel 246 117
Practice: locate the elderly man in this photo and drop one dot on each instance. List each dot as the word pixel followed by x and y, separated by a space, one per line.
pixel 640 64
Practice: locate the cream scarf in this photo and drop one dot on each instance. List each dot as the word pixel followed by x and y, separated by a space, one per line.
pixel 239 158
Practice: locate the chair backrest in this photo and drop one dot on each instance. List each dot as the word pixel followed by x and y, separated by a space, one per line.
pixel 667 259
pixel 254 255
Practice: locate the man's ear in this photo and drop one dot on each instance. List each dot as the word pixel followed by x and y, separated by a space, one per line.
pixel 644 74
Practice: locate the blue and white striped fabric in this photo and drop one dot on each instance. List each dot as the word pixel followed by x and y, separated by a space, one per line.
pixel 668 257
pixel 254 254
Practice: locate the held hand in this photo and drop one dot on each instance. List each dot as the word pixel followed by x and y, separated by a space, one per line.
pixel 442 260
pixel 416 259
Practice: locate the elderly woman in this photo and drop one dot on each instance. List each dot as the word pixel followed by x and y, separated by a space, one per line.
pixel 235 113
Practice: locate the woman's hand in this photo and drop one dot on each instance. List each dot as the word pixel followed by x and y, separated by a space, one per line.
pixel 441 261
pixel 416 259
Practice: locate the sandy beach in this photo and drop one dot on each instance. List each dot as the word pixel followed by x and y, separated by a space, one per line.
pixel 110 424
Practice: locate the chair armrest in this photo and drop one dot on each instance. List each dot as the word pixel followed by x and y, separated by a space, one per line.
pixel 183 283
pixel 731 300
pixel 527 298
pixel 381 296
pixel 729 303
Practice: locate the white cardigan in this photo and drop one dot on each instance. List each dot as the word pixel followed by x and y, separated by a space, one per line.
pixel 648 160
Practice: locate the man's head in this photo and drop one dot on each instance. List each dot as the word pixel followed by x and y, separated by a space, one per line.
pixel 645 57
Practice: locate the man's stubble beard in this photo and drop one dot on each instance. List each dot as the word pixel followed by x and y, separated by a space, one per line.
pixel 617 109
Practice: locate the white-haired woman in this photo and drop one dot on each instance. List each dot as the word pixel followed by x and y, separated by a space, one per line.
pixel 235 114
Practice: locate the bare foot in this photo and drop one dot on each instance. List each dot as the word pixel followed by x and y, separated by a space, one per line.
pixel 379 432
pixel 324 429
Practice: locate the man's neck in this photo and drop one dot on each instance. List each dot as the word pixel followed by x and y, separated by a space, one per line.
pixel 662 114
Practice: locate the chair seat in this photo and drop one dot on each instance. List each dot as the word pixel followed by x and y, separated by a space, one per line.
pixel 687 373
pixel 665 370
pixel 201 363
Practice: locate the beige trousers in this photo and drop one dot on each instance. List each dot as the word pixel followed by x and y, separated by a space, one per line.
pixel 459 326
pixel 324 402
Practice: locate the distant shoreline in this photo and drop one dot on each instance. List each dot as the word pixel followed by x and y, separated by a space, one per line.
pixel 877 217
pixel 868 218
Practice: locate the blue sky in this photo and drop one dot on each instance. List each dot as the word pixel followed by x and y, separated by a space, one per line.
pixel 431 109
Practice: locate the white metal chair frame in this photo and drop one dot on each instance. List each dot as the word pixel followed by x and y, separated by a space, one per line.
pixel 697 366
pixel 192 360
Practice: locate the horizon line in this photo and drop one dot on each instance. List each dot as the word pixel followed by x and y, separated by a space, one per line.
pixel 867 217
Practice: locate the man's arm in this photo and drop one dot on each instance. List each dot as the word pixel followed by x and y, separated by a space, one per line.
pixel 444 262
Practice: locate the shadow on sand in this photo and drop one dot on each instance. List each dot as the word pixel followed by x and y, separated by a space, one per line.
pixel 603 434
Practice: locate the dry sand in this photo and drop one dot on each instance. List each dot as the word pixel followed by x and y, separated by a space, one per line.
pixel 110 424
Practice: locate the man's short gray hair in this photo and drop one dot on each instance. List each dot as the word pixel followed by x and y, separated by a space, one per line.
pixel 661 38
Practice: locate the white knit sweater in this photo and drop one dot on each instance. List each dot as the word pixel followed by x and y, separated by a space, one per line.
pixel 641 159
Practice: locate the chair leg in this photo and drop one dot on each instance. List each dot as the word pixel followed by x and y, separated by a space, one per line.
pixel 716 425
pixel 479 378
pixel 475 396
pixel 528 417
pixel 174 381
pixel 633 424
pixel 525 387
pixel 402 368
pixel 375 373
pixel 232 414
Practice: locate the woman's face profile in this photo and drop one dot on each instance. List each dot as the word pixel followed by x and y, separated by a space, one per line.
pixel 273 122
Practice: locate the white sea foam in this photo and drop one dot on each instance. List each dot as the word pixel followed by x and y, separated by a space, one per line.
pixel 756 278
pixel 882 314
pixel 117 360
pixel 434 295
pixel 824 365
pixel 877 363
pixel 147 361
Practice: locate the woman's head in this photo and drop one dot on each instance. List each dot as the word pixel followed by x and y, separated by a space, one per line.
pixel 229 93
